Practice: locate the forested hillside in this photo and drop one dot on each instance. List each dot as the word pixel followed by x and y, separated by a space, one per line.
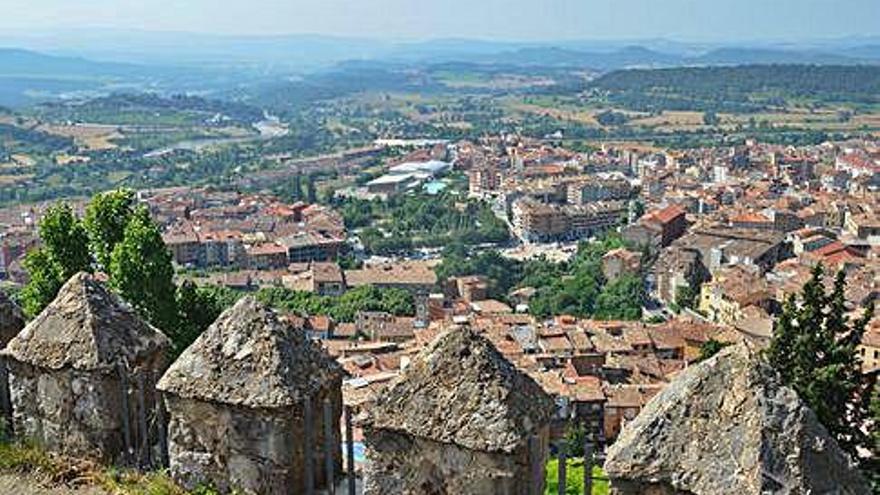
pixel 742 88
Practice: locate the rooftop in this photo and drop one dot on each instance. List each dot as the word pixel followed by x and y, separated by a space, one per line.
pixel 402 273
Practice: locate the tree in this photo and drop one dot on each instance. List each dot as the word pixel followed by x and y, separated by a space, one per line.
pixel 44 282
pixel 297 187
pixel 814 351
pixel 710 348
pixel 686 297
pixel 398 302
pixel 106 217
pixel 636 210
pixel 311 191
pixel 198 307
pixel 138 265
pixel 503 273
pixel 611 118
pixel 141 271
pixel 710 118
pixel 621 299
pixel 65 252
pixel 872 465
pixel 65 241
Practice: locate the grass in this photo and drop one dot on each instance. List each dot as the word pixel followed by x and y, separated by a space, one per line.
pixel 574 476
pixel 26 459
pixel 32 461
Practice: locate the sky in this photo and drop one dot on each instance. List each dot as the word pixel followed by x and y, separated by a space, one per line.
pixel 522 20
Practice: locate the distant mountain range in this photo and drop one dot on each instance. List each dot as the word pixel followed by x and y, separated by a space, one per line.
pixel 638 56
pixel 76 63
pixel 306 53
pixel 28 77
pixel 19 62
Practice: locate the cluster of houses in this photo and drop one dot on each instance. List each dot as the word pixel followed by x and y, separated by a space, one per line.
pixel 720 236
pixel 601 373
pixel 230 230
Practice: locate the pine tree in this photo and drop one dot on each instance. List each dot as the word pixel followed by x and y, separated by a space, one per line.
pixel 297 187
pixel 872 465
pixel 814 351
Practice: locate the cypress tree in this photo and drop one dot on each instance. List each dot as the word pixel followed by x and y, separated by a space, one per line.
pixel 814 349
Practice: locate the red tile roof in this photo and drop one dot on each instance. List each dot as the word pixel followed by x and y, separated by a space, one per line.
pixel 668 214
pixel 750 218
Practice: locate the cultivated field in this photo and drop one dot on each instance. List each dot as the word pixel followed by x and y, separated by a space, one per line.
pixel 92 137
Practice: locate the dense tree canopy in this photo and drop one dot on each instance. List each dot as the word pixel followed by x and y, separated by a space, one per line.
pixel 64 253
pixel 65 240
pixel 576 288
pixel 106 217
pixel 409 221
pixel 121 239
pixel 582 290
pixel 746 88
pixel 44 282
pixel 198 307
pixel 621 299
pixel 342 308
pixel 141 271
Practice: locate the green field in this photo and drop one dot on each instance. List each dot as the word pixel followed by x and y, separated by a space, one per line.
pixel 574 475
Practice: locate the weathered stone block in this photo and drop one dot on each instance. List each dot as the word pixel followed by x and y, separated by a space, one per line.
pixel 11 320
pixel 65 388
pixel 402 464
pixel 236 404
pixel 727 425
pixel 459 419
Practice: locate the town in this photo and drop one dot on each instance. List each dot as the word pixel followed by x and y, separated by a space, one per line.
pixel 406 256
pixel 715 238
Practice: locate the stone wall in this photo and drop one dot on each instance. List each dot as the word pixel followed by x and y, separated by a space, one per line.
pixel 67 411
pixel 251 450
pixel 403 464
pixel 727 425
pixel 77 413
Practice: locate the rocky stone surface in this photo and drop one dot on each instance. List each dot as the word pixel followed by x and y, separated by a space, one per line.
pixel 64 382
pixel 86 328
pixel 11 320
pixel 728 426
pixel 236 401
pixel 402 464
pixel 457 420
pixel 249 358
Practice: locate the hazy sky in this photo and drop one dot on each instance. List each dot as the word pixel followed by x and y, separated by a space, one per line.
pixel 504 19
